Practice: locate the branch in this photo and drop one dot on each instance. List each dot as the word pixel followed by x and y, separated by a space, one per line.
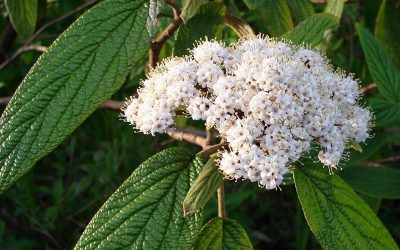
pixel 210 150
pixel 368 87
pixel 379 163
pixel 158 42
pixel 180 134
pixel 20 51
pixel 27 47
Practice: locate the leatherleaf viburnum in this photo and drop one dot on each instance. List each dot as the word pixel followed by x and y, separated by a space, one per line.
pixel 268 99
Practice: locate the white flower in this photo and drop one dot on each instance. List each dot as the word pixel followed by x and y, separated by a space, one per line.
pixel 269 100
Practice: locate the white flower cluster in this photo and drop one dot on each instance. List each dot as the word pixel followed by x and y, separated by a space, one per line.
pixel 269 100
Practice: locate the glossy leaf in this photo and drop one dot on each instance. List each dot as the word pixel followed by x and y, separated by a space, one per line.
pixel 23 15
pixel 209 22
pixel 241 28
pixel 277 17
pixel 204 187
pixel 301 9
pixel 337 216
pixel 380 66
pixel 311 31
pixel 190 8
pixel 146 210
pixel 223 234
pixel 81 70
pixel 381 182
pixel 387 30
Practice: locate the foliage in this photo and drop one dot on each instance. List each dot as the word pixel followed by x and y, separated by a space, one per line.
pixel 82 153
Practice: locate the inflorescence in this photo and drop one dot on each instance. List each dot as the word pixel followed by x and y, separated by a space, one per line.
pixel 268 99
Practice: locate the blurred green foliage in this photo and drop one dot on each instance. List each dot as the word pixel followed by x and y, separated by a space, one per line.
pixel 51 205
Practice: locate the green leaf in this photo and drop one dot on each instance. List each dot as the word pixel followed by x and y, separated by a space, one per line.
pixel 223 234
pixel 209 22
pixel 354 145
pixel 241 28
pixel 386 112
pixel 387 30
pixel 276 15
pixel 146 210
pixel 380 66
pixel 373 202
pixel 337 216
pixel 301 9
pixel 190 8
pixel 81 70
pixel 381 182
pixel 254 4
pixel 311 31
pixel 335 7
pixel 205 186
pixel 23 15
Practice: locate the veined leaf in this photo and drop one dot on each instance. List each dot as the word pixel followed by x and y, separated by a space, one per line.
pixel 241 28
pixel 337 216
pixel 301 9
pixel 23 15
pixel 204 187
pixel 276 14
pixel 81 70
pixel 311 31
pixel 381 182
pixel 223 234
pixel 209 22
pixel 387 30
pixel 386 112
pixel 335 7
pixel 146 210
pixel 380 66
pixel 190 8
pixel 373 202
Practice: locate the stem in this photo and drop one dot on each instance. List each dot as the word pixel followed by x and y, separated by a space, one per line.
pixel 158 42
pixel 221 202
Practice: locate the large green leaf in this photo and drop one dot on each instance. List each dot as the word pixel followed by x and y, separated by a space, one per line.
pixel 146 210
pixel 209 22
pixel 190 8
pixel 276 15
pixel 337 216
pixel 380 66
pixel 205 186
pixel 301 9
pixel 222 234
pixel 386 112
pixel 369 148
pixel 311 31
pixel 387 30
pixel 23 15
pixel 382 182
pixel 81 70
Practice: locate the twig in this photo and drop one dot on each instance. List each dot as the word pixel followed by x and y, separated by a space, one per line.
pixel 27 47
pixel 221 202
pixel 158 42
pixel 379 163
pixel 113 105
pixel 20 51
pixel 368 87
pixel 188 136
pixel 4 101
pixel 210 150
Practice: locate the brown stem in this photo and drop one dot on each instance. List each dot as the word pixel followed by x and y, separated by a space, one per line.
pixel 368 87
pixel 157 43
pixel 210 150
pixel 20 51
pixel 188 136
pixel 379 163
pixel 221 202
